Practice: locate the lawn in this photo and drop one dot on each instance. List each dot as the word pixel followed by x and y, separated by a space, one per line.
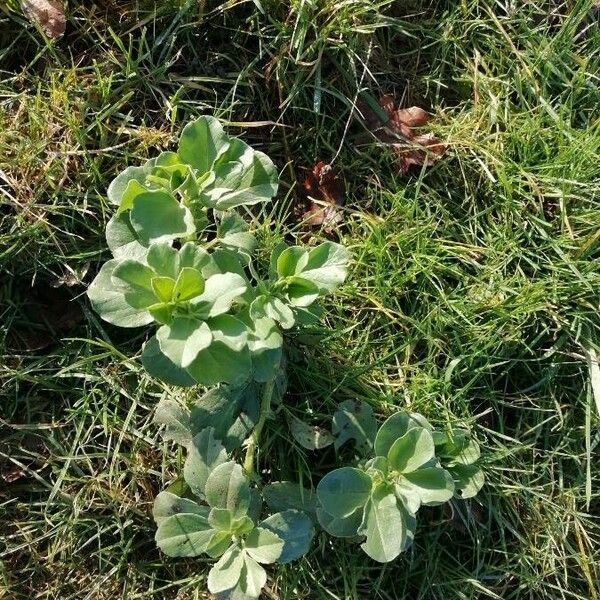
pixel 472 295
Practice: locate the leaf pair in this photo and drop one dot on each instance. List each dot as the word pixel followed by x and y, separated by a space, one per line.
pixel 227 525
pixel 298 277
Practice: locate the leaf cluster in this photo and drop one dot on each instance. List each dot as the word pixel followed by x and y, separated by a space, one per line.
pixel 218 514
pixel 410 465
pixel 217 320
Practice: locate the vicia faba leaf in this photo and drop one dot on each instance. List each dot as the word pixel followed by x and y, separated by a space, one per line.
pixel 226 487
pixel 296 531
pixel 395 427
pixel 184 534
pixel 205 455
pixel 413 450
pixel 160 366
pixel 109 301
pixel 385 525
pixel 263 545
pixel 343 527
pixel 202 142
pixel 167 504
pixel 236 570
pixel 344 490
pixel 232 411
pixel 282 495
pixel 354 421
pixel 176 420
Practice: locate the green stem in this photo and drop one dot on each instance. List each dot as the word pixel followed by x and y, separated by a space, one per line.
pixel 265 407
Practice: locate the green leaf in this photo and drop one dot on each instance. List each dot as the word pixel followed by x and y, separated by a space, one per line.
pixel 301 292
pixel 292 261
pixel 202 142
pixel 163 368
pixel 282 495
pixel 219 544
pixel 344 490
pixel 205 455
pixel 255 506
pixel 414 449
pixel 190 284
pixel 133 189
pixel 384 525
pixel 163 259
pixel 257 184
pixel 276 309
pixel 468 480
pixel 309 436
pixel 226 487
pixel 109 301
pixel 158 216
pixel 395 427
pixel 232 411
pixel 434 485
pixel 167 504
pixel 327 266
pixel 343 527
pixel 184 534
pixel 354 421
pixel 295 529
pixel 233 233
pixel 221 519
pixel 218 363
pixel 176 419
pixel 122 239
pixel 163 288
pixel 230 331
pixel 408 495
pixel 183 340
pixel 253 577
pixel 119 184
pixel 265 343
pixel 196 257
pixel 220 291
pixel 264 546
pixel 226 573
pixel 135 280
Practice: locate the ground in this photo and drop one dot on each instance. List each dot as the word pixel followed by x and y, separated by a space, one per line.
pixel 472 296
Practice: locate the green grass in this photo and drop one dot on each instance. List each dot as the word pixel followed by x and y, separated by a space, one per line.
pixel 473 295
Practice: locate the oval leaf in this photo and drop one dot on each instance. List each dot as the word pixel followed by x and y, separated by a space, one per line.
pixel 344 490
pixel 226 487
pixel 295 529
pixel 205 455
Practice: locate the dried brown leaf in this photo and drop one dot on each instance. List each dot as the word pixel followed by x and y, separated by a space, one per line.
pixel 398 133
pixel 49 14
pixel 324 194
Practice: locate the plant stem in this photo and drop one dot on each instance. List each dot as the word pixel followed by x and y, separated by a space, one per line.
pixel 265 407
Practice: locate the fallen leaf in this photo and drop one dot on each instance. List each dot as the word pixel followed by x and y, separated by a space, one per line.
pixel 48 14
pixel 323 195
pixel 309 436
pixel 398 133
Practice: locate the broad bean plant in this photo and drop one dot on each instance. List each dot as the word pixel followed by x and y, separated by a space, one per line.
pixel 184 261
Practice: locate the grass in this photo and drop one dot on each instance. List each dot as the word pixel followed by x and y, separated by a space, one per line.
pixel 473 296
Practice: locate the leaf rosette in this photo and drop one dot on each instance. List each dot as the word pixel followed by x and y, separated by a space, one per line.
pixel 222 520
pixel 412 466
